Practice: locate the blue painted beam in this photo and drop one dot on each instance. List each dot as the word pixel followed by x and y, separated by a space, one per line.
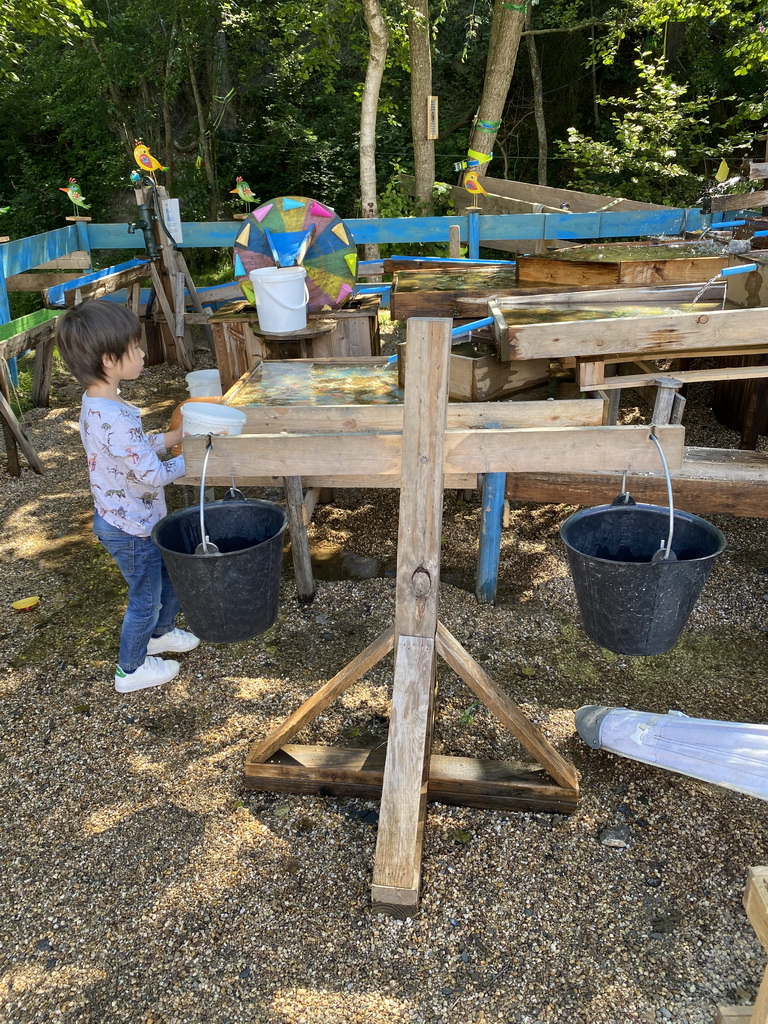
pixel 26 253
pixel 487 572
pixel 405 230
pixel 57 294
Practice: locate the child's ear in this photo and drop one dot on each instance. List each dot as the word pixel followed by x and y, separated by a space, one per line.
pixel 108 363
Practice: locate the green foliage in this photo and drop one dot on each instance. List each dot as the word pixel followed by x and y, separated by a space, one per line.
pixel 658 141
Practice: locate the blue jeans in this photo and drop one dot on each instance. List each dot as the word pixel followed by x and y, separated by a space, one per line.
pixel 152 603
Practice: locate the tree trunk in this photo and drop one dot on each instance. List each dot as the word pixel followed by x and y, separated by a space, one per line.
pixel 538 99
pixel 506 29
pixel 210 171
pixel 379 42
pixel 167 122
pixel 419 44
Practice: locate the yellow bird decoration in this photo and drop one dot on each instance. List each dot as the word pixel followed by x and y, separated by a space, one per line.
pixel 145 160
pixel 472 184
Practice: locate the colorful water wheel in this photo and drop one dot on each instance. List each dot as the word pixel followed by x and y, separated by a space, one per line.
pixel 293 231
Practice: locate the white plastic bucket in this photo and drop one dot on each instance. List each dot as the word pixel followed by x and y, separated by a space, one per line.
pixel 207 418
pixel 281 298
pixel 203 383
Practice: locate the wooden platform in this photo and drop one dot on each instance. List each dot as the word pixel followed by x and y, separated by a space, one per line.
pixel 756 906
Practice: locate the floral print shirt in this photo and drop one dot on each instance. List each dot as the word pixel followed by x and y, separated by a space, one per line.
pixel 126 476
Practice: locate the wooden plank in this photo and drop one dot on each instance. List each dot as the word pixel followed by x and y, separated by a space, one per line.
pixel 463 781
pixel 756 902
pixel 643 380
pixel 451 481
pixel 709 481
pixel 78 260
pixel 742 201
pixel 389 418
pixel 549 449
pixel 734 1015
pixel 397 862
pixel 505 709
pixel 758 170
pixel 320 700
pixel 721 332
pixel 34 282
pixel 95 285
pixel 25 329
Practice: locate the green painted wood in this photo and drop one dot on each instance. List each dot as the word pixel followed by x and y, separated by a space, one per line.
pixel 26 323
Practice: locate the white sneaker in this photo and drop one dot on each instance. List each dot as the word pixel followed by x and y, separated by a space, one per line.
pixel 153 672
pixel 176 640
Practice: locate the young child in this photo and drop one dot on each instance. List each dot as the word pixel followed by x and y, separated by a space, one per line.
pixel 99 342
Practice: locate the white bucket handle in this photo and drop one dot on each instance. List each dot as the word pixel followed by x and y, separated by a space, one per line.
pixel 285 305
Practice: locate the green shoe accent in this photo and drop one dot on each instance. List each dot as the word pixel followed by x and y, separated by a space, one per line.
pixel 119 673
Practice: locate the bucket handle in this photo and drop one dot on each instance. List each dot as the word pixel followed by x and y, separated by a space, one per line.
pixel 285 305
pixel 205 544
pixel 665 551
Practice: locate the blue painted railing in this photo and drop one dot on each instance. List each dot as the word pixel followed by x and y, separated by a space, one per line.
pixel 28 253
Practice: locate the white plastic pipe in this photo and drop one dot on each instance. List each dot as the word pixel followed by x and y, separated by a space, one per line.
pixel 730 754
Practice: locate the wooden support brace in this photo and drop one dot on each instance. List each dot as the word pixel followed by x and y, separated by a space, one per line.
pixel 20 438
pixel 302 561
pixel 319 701
pixel 505 709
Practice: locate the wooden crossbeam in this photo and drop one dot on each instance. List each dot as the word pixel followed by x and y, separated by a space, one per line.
pixel 549 449
pixel 645 380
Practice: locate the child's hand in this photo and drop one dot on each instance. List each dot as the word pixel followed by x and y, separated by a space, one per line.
pixel 172 439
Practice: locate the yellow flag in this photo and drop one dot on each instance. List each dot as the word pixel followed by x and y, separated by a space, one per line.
pixel 722 171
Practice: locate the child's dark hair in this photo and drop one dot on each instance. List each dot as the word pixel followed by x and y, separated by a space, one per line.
pixel 92 330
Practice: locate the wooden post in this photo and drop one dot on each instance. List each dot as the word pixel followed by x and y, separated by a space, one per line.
pixel 397 866
pixel 302 562
pixel 454 241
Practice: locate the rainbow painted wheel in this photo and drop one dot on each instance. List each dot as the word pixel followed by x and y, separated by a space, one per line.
pixel 294 230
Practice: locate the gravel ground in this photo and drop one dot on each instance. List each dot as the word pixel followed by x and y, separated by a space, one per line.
pixel 145 884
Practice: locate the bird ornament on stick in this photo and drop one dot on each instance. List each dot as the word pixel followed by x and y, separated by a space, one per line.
pixel 473 185
pixel 243 190
pixel 76 196
pixel 145 160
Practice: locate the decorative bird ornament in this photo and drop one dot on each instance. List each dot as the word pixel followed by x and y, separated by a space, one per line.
pixel 243 190
pixel 135 178
pixel 472 184
pixel 145 160
pixel 76 196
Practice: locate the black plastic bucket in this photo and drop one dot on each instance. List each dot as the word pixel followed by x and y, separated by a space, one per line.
pixel 628 603
pixel 233 595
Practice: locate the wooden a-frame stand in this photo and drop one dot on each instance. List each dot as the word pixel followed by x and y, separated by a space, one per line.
pixel 406 776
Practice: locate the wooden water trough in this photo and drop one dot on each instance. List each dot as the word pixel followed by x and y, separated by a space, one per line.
pixel 624 265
